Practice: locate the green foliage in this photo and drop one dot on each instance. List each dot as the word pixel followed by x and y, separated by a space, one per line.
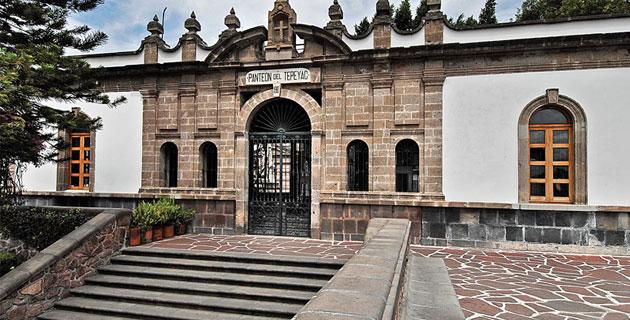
pixel 551 9
pixel 162 212
pixel 421 12
pixel 40 227
pixel 463 22
pixel 403 18
pixel 488 14
pixel 8 261
pixel 363 27
pixel 34 71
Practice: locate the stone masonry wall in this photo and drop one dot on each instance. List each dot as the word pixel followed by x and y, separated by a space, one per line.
pixel 347 222
pixel 526 229
pixel 68 271
pixel 213 216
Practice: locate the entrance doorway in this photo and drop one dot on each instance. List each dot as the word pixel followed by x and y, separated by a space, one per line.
pixel 280 170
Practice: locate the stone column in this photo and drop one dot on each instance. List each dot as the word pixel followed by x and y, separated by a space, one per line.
pixel 432 164
pixel 334 173
pixel 316 183
pixel 153 42
pixel 434 28
pixel 188 151
pixel 241 157
pixel 383 159
pixel 383 25
pixel 150 153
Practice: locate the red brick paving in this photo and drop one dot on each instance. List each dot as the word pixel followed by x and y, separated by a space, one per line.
pixel 528 285
pixel 263 245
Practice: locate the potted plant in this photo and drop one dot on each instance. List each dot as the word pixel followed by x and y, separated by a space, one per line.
pixel 184 217
pixel 144 218
pixel 170 211
pixel 135 232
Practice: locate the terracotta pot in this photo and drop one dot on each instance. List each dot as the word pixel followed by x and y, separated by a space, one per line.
pixel 169 231
pixel 148 236
pixel 180 229
pixel 158 233
pixel 135 237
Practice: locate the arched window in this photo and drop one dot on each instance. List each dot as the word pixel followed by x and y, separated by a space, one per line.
pixel 407 166
pixel 209 164
pixel 358 161
pixel 168 165
pixel 551 156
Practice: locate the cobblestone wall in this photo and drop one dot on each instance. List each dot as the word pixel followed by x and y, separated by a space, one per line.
pixel 37 284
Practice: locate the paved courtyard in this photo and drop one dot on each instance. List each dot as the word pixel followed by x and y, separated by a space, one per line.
pixel 524 285
pixel 490 284
pixel 263 245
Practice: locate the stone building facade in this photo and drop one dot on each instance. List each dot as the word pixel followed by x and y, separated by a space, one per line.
pixel 384 90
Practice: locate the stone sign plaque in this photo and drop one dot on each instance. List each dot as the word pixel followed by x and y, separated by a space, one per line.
pixel 282 76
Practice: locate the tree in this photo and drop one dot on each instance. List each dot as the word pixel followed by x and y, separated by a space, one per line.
pixel 34 71
pixel 421 12
pixel 363 27
pixel 488 13
pixel 463 22
pixel 551 9
pixel 403 18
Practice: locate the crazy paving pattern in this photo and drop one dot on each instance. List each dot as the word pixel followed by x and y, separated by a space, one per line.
pixel 526 285
pixel 278 246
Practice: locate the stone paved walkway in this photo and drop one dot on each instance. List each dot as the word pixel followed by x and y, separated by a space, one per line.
pixel 263 245
pixel 526 285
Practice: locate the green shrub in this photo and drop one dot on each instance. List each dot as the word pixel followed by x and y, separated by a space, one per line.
pixel 40 227
pixel 162 212
pixel 8 261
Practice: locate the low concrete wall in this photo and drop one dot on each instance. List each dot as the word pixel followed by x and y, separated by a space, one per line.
pixel 37 284
pixel 428 292
pixel 368 285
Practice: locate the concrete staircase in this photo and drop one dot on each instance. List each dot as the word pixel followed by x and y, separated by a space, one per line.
pixel 144 283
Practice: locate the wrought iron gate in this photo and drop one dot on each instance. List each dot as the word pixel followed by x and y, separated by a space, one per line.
pixel 280 184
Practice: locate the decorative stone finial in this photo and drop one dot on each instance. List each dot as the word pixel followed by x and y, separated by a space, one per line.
pixel 192 24
pixel 155 27
pixel 232 21
pixel 383 8
pixel 335 12
pixel 434 5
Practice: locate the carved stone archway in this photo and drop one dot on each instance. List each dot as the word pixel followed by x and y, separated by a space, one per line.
pixel 245 116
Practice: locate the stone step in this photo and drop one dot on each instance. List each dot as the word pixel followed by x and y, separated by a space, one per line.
pixel 334 264
pixel 225 266
pixel 70 315
pixel 290 283
pixel 143 311
pixel 199 288
pixel 177 300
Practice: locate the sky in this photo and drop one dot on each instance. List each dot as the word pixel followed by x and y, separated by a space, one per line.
pixel 124 21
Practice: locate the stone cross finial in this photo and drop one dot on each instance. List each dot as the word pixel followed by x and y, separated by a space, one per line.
pixel 232 21
pixel 155 27
pixel 192 24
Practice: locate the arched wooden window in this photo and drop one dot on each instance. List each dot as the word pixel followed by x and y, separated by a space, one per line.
pixel 551 157
pixel 358 162
pixel 209 165
pixel 407 166
pixel 168 165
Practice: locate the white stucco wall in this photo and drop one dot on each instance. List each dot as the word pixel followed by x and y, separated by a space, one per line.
pixel 481 135
pixel 118 149
pixel 408 40
pixel 537 30
pixel 169 57
pixel 361 44
pixel 116 61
